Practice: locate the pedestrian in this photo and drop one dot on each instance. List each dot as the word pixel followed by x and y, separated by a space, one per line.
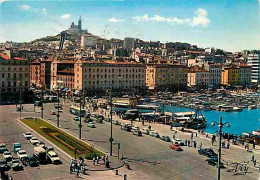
pixel 188 143
pixel 149 127
pixel 207 135
pixel 171 127
pixel 125 176
pixel 196 134
pixel 97 159
pixel 223 144
pixel 228 145
pixel 94 160
pixel 252 158
pixel 77 172
pixel 104 159
pixel 143 122
pixel 191 136
pixel 200 145
pixel 195 144
pixel 71 166
pixel 254 144
pixel 212 142
pixel 254 162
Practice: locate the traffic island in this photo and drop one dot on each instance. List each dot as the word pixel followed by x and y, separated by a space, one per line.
pixel 61 139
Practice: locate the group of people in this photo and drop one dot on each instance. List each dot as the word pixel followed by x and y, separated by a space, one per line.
pixel 104 158
pixel 223 144
pixel 77 166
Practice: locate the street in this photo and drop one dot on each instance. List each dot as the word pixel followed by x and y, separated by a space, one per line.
pixel 146 155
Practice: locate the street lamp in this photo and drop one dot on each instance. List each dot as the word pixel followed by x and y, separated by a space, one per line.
pixel 58 112
pixel 111 132
pixel 80 105
pixel 20 89
pixel 220 126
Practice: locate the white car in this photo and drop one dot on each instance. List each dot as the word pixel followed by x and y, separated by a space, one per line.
pixel 60 110
pixel 53 157
pixel 27 135
pixel 21 154
pixel 34 140
pixel 178 141
pixel 7 155
pixel 151 132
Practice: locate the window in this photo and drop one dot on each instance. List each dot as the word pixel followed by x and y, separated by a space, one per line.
pixel 9 75
pixel 20 69
pixel 3 84
pixel 15 75
pixel 20 75
pixel 9 69
pixel 3 75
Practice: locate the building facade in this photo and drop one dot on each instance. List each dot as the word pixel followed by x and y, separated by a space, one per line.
pixel 105 75
pixel 198 78
pixel 245 74
pixel 254 61
pixel 62 74
pixel 215 71
pixel 160 76
pixel 129 44
pixel 15 73
pixel 230 75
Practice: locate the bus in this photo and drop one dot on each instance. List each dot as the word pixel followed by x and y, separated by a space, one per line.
pixel 75 110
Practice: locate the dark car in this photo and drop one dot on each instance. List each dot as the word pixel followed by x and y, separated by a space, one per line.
pixel 3 148
pixel 213 161
pixel 166 138
pixel 207 152
pixel 126 127
pixel 3 165
pixel 16 165
pixel 30 161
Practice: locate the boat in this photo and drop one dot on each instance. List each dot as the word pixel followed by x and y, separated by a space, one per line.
pixel 237 109
pixel 226 108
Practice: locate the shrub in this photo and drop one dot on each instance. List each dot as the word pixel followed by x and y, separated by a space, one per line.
pixel 91 155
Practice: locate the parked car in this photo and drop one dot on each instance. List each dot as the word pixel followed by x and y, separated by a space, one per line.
pixel 7 155
pixel 156 135
pixel 145 131
pixel 21 154
pixel 27 135
pixel 53 157
pixel 126 127
pixel 40 143
pixel 30 161
pixel 166 138
pixel 176 147
pixel 91 124
pixel 213 161
pixel 16 165
pixel 3 148
pixel 178 141
pixel 116 122
pixel 4 165
pixel 76 118
pixel 52 112
pixel 16 147
pixel 34 140
pixel 48 148
pixel 137 132
pixel 207 152
pixel 134 128
pixel 108 119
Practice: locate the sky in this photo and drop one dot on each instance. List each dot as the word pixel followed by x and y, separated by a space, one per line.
pixel 232 25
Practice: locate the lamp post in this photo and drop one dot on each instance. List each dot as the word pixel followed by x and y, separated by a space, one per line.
pixel 80 125
pixel 42 102
pixel 20 92
pixel 220 126
pixel 111 132
pixel 58 112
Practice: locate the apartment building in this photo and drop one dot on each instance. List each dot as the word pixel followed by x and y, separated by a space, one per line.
pixel 230 75
pixel 104 75
pixel 245 74
pixel 15 71
pixel 160 76
pixel 254 61
pixel 198 77
pixel 215 71
pixel 40 72
pixel 62 74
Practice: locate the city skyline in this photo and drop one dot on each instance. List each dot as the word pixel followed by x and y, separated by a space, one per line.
pixel 229 25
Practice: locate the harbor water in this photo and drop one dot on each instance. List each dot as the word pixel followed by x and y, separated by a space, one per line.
pixel 244 121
